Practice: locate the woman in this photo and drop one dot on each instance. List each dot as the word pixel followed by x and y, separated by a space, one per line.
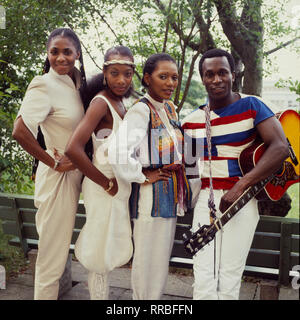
pixel 105 240
pixel 53 102
pixel 151 159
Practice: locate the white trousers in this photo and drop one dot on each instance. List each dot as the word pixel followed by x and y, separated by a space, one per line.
pixel 153 241
pixel 98 285
pixel 218 268
pixel 56 196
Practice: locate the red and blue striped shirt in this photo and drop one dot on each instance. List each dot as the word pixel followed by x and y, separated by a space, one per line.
pixel 232 130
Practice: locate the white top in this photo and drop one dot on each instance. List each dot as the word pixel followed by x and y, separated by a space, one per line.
pixel 129 153
pixel 53 102
pixel 102 140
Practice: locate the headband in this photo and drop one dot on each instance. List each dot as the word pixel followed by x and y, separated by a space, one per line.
pixel 130 63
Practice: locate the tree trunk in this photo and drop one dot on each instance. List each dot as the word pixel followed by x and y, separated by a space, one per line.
pixel 239 74
pixel 252 82
pixel 245 34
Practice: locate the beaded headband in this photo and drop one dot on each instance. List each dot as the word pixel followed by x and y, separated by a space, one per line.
pixel 130 63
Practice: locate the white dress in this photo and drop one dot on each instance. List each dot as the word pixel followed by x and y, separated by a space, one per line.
pixel 105 240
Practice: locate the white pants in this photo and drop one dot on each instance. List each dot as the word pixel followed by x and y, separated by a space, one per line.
pixel 98 285
pixel 56 196
pixel 232 246
pixel 153 241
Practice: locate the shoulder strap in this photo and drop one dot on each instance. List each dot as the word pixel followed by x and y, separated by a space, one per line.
pixel 111 108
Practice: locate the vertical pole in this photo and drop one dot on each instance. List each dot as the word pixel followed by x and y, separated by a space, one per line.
pixel 19 225
pixel 285 253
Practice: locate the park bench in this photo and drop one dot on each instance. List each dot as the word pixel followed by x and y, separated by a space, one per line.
pixel 274 251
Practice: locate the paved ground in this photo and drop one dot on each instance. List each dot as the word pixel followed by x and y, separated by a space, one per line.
pixel 179 287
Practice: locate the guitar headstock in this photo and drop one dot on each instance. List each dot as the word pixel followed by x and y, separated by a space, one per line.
pixel 199 239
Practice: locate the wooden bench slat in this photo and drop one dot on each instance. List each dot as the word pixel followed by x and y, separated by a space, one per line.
pixel 263 258
pixel 273 224
pixel 10 227
pixel 28 215
pixel 24 203
pixel 29 231
pixel 294 260
pixel 264 240
pixel 6 201
pixel 80 220
pixel 16 242
pixel 7 213
pixel 272 249
pixel 75 235
pixel 186 219
pixel 81 208
pixel 295 243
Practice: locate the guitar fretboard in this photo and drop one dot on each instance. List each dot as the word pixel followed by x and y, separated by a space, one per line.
pixel 248 194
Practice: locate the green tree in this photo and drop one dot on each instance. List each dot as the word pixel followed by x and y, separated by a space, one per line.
pixel 293 85
pixel 183 28
pixel 22 51
pixel 245 24
pixel 188 28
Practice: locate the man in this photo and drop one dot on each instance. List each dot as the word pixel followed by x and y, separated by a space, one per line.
pixel 235 120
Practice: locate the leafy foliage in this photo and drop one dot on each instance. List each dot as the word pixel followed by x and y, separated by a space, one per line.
pixel 183 28
pixel 22 46
pixel 293 85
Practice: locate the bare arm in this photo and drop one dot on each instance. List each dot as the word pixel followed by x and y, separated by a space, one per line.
pixel 273 136
pixel 26 139
pixel 75 147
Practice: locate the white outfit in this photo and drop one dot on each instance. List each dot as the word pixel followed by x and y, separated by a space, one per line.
pixel 233 129
pixel 153 236
pixel 153 242
pixel 232 248
pixel 104 242
pixel 53 102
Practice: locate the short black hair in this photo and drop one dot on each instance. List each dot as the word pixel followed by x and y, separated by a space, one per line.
pixel 152 61
pixel 212 53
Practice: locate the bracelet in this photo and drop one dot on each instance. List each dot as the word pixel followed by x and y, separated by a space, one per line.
pixel 147 180
pixel 56 163
pixel 110 185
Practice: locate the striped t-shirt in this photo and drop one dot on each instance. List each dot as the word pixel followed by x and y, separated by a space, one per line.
pixel 232 130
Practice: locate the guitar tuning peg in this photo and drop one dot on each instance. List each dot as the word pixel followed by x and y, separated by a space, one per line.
pixel 184 236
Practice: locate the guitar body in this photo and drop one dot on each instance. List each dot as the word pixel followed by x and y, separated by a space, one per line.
pixel 290 122
pixel 289 173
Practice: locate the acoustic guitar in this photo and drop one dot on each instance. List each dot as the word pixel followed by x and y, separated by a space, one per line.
pixel 272 187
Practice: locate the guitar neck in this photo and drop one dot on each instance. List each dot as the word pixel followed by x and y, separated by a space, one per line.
pixel 248 194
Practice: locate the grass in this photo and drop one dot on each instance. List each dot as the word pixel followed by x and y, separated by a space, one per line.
pixel 293 192
pixel 12 258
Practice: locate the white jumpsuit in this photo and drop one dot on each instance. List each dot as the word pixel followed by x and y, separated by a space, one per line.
pixel 104 242
pixel 53 102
